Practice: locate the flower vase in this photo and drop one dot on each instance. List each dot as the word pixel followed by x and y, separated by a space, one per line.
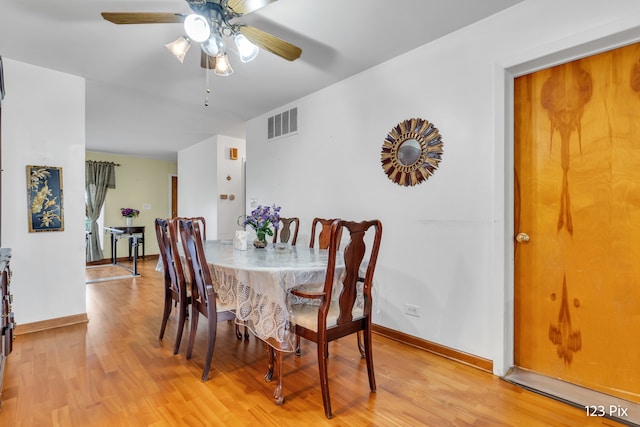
pixel 261 240
pixel 129 221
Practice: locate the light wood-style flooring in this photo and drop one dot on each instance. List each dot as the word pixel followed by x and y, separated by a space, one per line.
pixel 113 371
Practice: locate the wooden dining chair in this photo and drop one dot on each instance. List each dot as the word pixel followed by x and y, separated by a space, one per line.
pixel 285 232
pixel 323 243
pixel 324 227
pixel 175 285
pixel 203 295
pixel 202 224
pixel 351 312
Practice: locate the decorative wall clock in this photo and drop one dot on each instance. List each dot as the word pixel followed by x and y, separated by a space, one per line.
pixel 411 152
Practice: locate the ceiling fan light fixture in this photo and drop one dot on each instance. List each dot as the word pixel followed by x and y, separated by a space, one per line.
pixel 197 27
pixel 179 47
pixel 247 50
pixel 213 45
pixel 223 66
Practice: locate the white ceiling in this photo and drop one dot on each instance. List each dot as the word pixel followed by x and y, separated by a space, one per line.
pixel 141 101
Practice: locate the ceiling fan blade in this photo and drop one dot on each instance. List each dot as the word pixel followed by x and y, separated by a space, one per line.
pixel 247 6
pixel 271 43
pixel 143 17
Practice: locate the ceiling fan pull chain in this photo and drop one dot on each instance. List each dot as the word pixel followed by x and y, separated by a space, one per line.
pixel 207 90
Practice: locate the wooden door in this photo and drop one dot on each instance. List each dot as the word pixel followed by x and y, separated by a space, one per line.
pixel 174 196
pixel 577 181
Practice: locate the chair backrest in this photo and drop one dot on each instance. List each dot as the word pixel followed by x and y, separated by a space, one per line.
pixel 162 234
pixel 171 263
pixel 325 232
pixel 202 223
pixel 285 232
pixel 355 255
pixel 202 285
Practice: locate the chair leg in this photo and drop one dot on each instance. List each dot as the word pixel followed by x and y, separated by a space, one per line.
pixel 360 345
pixel 323 350
pixel 239 334
pixel 182 319
pixel 298 351
pixel 213 325
pixel 192 333
pixel 369 358
pixel 165 316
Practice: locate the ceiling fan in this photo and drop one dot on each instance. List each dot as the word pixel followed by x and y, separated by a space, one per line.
pixel 210 21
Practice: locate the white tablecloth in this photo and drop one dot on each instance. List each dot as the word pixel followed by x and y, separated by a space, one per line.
pixel 257 283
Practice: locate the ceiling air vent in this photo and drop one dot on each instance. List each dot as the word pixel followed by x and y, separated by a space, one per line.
pixel 282 124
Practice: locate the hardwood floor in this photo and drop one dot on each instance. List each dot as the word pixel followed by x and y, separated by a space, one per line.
pixel 113 371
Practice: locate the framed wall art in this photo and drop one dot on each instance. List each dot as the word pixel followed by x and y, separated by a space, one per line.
pixel 44 190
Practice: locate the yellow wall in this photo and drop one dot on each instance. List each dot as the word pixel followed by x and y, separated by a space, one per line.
pixel 138 182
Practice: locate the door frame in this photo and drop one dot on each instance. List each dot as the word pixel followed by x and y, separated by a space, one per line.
pixel 170 207
pixel 505 72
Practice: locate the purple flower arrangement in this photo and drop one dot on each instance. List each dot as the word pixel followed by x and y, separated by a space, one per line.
pixel 129 212
pixel 262 218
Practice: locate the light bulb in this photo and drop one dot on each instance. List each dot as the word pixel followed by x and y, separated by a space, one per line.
pixel 179 47
pixel 247 50
pixel 213 45
pixel 197 27
pixel 223 67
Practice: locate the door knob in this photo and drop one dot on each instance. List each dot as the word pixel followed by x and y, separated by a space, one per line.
pixel 522 237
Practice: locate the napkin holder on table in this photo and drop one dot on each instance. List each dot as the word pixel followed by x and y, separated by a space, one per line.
pixel 240 241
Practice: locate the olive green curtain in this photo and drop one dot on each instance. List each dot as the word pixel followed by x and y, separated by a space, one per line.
pixel 99 177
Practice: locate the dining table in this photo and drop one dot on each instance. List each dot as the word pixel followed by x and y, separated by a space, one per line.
pixel 257 281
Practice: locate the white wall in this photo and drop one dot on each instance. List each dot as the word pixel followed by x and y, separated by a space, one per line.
pixel 43 124
pixel 229 210
pixel 446 244
pixel 197 182
pixel 202 172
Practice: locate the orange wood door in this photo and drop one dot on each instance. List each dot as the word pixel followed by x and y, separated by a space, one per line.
pixel 174 196
pixel 577 185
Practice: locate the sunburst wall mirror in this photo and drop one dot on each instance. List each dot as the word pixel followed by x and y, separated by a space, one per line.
pixel 411 152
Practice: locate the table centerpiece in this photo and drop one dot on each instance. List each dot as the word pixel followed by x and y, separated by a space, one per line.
pixel 128 214
pixel 261 220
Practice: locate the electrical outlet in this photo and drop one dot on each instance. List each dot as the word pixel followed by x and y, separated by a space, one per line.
pixel 412 310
